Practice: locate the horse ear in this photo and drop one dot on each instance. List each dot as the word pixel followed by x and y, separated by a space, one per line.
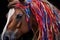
pixel 21 0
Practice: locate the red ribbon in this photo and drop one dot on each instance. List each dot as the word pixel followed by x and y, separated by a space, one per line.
pixel 21 6
pixel 49 13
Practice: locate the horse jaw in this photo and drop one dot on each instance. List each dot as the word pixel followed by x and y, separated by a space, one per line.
pixel 10 13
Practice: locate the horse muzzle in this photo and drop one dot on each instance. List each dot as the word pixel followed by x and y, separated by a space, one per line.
pixel 8 36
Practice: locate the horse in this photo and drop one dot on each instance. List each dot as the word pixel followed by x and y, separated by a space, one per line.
pixel 19 21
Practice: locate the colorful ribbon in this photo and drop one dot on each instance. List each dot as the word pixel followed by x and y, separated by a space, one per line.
pixel 47 19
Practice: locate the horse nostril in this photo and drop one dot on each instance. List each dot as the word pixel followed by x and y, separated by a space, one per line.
pixel 6 38
pixel 9 38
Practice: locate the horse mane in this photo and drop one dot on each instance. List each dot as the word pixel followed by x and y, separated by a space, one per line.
pixel 34 24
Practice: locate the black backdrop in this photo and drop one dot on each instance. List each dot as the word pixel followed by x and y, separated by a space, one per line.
pixel 4 10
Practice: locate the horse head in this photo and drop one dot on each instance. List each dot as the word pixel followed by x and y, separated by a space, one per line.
pixel 16 24
pixel 37 17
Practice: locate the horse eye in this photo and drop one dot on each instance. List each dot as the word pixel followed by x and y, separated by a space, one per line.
pixel 19 16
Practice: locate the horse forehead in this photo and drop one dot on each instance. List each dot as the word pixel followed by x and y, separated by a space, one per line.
pixel 18 11
pixel 11 12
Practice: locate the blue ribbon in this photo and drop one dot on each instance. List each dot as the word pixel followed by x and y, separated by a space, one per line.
pixel 44 22
pixel 28 15
pixel 29 0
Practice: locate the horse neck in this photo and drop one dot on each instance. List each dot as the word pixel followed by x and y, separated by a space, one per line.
pixel 34 24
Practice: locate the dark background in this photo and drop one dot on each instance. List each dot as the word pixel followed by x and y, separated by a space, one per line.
pixel 4 10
